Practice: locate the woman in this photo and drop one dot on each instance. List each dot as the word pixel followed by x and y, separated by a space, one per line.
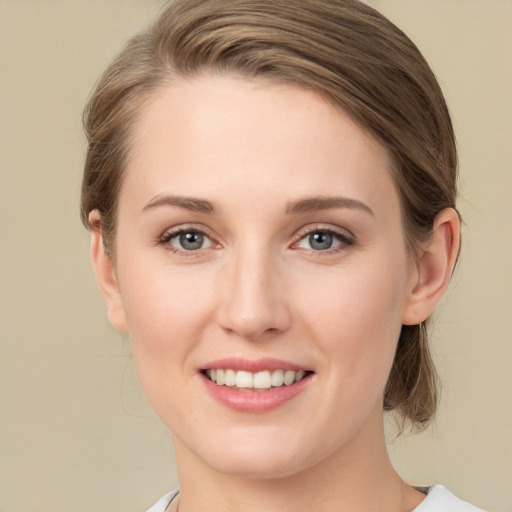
pixel 270 187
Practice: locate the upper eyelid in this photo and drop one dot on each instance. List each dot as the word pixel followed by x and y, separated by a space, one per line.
pixel 199 228
pixel 311 228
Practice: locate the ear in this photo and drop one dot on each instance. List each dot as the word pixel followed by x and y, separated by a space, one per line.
pixel 434 268
pixel 105 274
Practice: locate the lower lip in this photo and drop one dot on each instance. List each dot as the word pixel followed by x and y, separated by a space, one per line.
pixel 254 401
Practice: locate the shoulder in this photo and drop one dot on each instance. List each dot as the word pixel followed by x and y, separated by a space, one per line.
pixel 440 499
pixel 163 502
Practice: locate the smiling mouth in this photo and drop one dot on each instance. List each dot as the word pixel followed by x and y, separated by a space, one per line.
pixel 259 381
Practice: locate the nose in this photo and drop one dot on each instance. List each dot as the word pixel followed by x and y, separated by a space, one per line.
pixel 253 302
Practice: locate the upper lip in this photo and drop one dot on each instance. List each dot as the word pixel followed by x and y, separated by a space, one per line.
pixel 253 365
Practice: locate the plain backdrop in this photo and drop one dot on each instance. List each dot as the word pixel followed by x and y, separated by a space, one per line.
pixel 76 434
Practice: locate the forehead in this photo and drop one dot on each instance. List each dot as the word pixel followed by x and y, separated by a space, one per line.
pixel 215 132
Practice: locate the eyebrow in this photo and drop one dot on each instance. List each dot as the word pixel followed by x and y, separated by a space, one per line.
pixel 188 203
pixel 307 205
pixel 314 204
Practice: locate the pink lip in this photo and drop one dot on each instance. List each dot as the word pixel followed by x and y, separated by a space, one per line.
pixel 253 401
pixel 247 365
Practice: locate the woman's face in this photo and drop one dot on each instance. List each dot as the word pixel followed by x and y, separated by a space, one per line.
pixel 259 235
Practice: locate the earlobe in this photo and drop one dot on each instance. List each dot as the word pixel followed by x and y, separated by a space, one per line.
pixel 106 276
pixel 434 268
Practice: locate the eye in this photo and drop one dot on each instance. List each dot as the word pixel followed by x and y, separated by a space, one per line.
pixel 324 240
pixel 186 240
pixel 190 241
pixel 319 241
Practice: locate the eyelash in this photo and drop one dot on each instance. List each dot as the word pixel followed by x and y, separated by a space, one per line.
pixel 165 240
pixel 345 240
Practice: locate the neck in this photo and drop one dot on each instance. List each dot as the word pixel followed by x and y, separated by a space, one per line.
pixel 358 477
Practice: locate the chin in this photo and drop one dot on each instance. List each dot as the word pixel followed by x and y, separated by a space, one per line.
pixel 263 456
pixel 258 468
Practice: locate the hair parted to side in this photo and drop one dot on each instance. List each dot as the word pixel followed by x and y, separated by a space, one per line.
pixel 342 49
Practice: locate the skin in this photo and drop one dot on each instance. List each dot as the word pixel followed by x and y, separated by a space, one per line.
pixel 257 288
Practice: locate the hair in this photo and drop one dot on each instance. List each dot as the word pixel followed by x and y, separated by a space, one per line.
pixel 344 51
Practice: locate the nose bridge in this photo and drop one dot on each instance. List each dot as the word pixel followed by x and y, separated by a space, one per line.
pixel 253 298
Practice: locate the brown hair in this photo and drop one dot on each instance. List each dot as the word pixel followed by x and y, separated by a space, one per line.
pixel 342 49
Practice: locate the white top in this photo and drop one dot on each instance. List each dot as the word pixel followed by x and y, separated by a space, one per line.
pixel 439 499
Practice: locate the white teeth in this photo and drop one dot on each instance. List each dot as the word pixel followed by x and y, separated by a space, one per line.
pixel 260 380
pixel 230 378
pixel 277 378
pixel 220 377
pixel 244 380
pixel 289 377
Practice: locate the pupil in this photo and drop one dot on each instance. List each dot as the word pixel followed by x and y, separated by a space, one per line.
pixel 191 241
pixel 320 241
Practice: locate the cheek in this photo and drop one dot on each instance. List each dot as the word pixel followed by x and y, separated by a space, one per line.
pixel 357 318
pixel 166 309
pixel 166 312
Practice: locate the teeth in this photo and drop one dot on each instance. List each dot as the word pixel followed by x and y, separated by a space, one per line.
pixel 260 380
pixel 244 380
pixel 220 377
pixel 277 378
pixel 230 379
pixel 289 377
pixel 299 376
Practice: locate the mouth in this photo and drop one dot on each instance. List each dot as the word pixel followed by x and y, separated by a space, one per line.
pixel 255 381
pixel 255 386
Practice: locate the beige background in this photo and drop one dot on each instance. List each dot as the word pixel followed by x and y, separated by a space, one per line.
pixel 75 431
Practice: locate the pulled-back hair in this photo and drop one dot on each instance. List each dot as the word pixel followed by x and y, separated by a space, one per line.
pixel 343 50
